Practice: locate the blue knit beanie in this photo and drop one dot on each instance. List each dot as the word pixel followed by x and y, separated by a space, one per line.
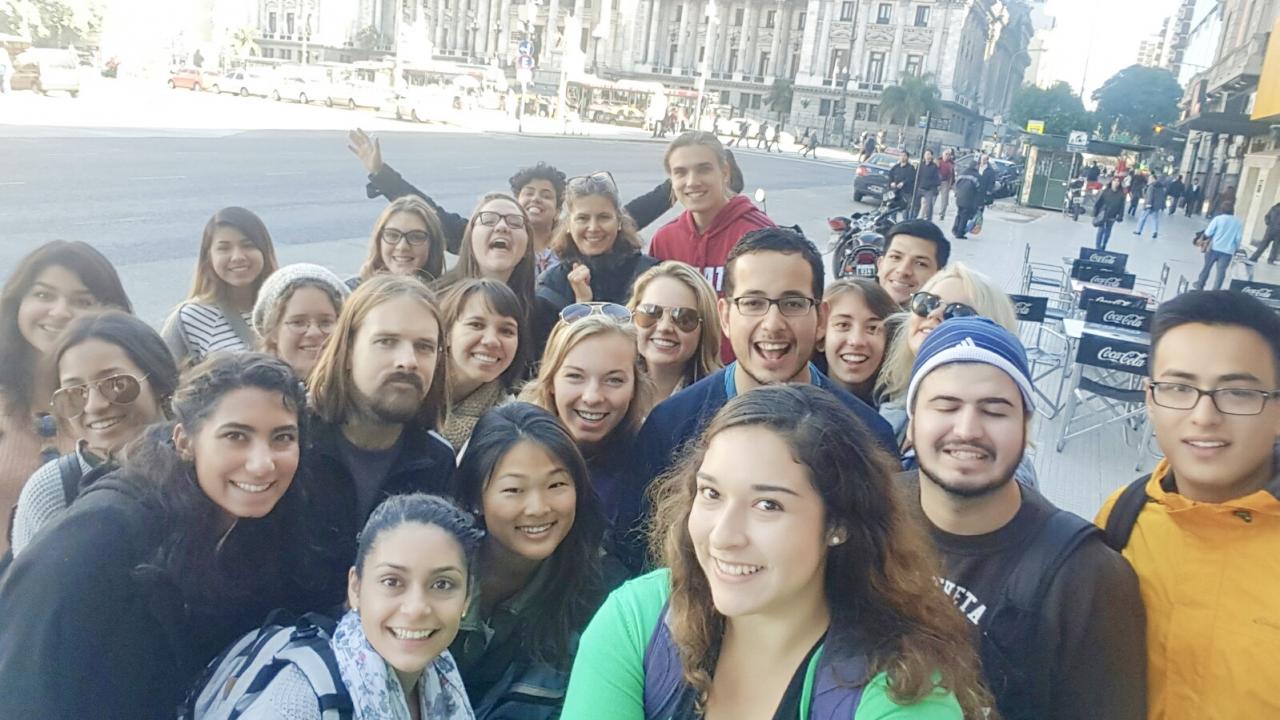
pixel 972 340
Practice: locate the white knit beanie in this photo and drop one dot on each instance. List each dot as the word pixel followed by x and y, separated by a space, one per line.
pixel 282 282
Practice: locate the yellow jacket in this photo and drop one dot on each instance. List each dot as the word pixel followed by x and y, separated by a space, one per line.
pixel 1210 580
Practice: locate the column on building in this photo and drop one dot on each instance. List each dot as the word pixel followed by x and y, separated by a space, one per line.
pixel 693 12
pixel 858 62
pixel 550 38
pixel 776 48
pixel 439 26
pixel 810 67
pixel 747 45
pixel 653 21
pixel 503 29
pixel 482 28
pixel 630 21
pixel 682 39
pixel 895 61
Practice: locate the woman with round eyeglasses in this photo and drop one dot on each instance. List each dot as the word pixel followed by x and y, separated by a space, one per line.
pixel 114 375
pixel 296 311
pixel 407 240
pixel 677 326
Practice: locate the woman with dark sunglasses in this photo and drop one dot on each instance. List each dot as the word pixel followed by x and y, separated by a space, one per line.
pixel 677 327
pixel 956 291
pixel 598 246
pixel 114 376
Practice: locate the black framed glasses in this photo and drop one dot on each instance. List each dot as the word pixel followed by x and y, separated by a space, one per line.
pixel 925 304
pixel 686 319
pixel 603 178
pixel 1228 401
pixel 577 311
pixel 69 402
pixel 392 236
pixel 790 306
pixel 489 218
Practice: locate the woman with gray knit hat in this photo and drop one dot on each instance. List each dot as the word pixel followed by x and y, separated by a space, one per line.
pixel 296 310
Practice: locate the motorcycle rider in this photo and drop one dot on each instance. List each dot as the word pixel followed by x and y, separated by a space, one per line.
pixel 902 179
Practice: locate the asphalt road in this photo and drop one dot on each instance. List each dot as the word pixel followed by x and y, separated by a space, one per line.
pixel 143 200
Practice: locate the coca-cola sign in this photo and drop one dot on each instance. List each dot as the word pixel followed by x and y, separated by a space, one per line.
pixel 1108 280
pixel 1100 274
pixel 1131 320
pixel 1114 260
pixel 1102 297
pixel 1029 308
pixel 1128 358
pixel 1138 320
pixel 1266 292
pixel 1112 354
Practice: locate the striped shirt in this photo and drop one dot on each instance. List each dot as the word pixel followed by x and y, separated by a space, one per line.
pixel 196 329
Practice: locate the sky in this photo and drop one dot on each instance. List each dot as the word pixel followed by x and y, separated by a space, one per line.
pixel 1099 37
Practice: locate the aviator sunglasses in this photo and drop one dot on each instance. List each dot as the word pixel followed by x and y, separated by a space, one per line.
pixel 70 402
pixel 577 311
pixel 925 304
pixel 686 319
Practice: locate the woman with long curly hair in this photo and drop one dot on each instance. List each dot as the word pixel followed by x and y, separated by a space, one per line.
pixel 797 585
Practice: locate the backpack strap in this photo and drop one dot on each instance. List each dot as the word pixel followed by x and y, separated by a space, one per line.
pixel 309 650
pixel 70 471
pixel 1125 512
pixel 663 674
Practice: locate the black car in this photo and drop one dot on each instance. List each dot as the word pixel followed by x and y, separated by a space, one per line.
pixel 1008 175
pixel 872 176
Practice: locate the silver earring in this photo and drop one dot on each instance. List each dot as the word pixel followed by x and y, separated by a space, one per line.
pixel 835 540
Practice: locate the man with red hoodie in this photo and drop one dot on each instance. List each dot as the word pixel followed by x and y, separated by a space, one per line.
pixel 714 219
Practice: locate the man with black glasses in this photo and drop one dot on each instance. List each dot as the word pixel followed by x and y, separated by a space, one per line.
pixel 1203 530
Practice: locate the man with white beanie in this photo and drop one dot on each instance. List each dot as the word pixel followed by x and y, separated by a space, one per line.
pixel 1057 613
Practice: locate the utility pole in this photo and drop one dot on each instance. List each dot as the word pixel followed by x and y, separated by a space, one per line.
pixel 713 19
pixel 848 73
pixel 924 142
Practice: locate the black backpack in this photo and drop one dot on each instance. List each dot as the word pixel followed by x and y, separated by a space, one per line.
pixel 1125 512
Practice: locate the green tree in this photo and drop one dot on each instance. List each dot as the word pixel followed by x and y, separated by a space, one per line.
pixel 52 23
pixel 780 96
pixel 368 37
pixel 244 42
pixel 1059 107
pixel 1136 99
pixel 908 100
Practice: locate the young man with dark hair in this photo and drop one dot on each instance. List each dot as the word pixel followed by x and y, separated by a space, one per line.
pixel 914 251
pixel 1225 233
pixel 902 178
pixel 772 312
pixel 1203 530
pixel 1057 614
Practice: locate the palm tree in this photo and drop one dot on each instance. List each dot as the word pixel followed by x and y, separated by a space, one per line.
pixel 912 97
pixel 780 96
pixel 244 42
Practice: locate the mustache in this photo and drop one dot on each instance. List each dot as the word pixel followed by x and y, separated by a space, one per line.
pixel 411 379
pixel 952 445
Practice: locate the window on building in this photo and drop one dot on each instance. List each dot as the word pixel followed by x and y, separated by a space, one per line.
pixel 794 68
pixel 763 67
pixel 737 16
pixel 724 97
pixel 755 101
pixel 679 13
pixel 866 111
pixel 922 16
pixel 824 107
pixel 286 54
pixel 271 22
pixel 800 21
pixel 733 60
pixel 875 67
pixel 306 28
pixel 884 14
pixel 288 23
pixel 913 65
pixel 702 52
pixel 671 58
pixel 846 11
pixel 839 64
pixel 268 52
pixel 586 38
pixel 770 18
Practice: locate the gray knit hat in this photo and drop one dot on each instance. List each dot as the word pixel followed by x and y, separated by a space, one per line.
pixel 283 281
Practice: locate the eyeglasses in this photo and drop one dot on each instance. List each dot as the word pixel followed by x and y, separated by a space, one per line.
pixel 686 319
pixel 70 402
pixel 1228 401
pixel 391 236
pixel 925 304
pixel 757 305
pixel 575 312
pixel 299 326
pixel 488 218
pixel 603 177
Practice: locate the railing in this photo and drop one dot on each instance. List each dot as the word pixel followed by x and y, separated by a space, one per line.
pixel 1242 61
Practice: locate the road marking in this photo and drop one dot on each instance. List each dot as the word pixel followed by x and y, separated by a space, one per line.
pixel 159 177
pixel 283 174
pixel 13 182
pixel 114 220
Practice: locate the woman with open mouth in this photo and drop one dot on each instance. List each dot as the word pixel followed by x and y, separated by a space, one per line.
pixel 857 335
pixel 49 288
pixel 485 342
pixel 592 377
pixel 236 256
pixel 540 573
pixel 407 240
pixel 598 246
pixel 797 585
pixel 677 326
pixel 388 656
pixel 115 377
pixel 113 610
pixel 296 311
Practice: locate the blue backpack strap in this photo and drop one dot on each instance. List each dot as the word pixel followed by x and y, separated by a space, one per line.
pixel 70 472
pixel 1125 512
pixel 664 684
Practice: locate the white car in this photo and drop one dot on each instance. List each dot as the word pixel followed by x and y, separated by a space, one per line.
pixel 352 94
pixel 297 89
pixel 243 83
pixel 421 104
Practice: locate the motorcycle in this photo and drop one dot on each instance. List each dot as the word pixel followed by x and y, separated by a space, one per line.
pixel 1073 204
pixel 857 241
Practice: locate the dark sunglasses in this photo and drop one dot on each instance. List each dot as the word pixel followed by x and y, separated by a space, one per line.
pixel 515 221
pixel 925 304
pixel 575 312
pixel 686 319
pixel 70 402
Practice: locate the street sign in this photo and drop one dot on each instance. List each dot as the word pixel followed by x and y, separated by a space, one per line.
pixel 525 62
pixel 525 47
pixel 922 122
pixel 1077 140
pixel 524 75
pixel 997 120
pixel 1035 126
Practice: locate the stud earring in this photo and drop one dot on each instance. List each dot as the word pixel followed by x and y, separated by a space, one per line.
pixel 835 540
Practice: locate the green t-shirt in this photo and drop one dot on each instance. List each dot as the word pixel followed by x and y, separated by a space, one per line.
pixel 607 682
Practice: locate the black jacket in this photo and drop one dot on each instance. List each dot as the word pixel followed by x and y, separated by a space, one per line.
pixel 612 276
pixel 905 174
pixel 987 181
pixel 389 184
pixel 1175 190
pixel 930 178
pixel 1110 202
pixel 425 464
pixel 968 190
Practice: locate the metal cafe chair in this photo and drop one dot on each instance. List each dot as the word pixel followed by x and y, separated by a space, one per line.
pixel 1108 391
pixel 1042 278
pixel 1155 288
pixel 1047 346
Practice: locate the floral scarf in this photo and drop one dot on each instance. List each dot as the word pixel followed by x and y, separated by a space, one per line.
pixel 375 688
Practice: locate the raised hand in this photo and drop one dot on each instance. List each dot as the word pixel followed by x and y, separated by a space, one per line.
pixel 365 147
pixel 580 281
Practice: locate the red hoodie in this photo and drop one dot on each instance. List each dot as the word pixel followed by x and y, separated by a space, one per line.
pixel 707 251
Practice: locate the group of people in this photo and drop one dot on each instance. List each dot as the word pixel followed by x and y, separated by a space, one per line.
pixel 569 477
pixel 919 190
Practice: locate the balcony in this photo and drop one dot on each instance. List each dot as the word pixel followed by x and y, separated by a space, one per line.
pixel 1240 67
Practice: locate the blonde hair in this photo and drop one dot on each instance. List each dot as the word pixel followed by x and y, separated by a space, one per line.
pixel 706 359
pixel 206 286
pixel 565 337
pixel 416 206
pixel 989 299
pixel 330 383
pixel 628 238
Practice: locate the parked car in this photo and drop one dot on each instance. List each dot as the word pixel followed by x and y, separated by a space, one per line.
pixel 45 70
pixel 243 83
pixel 872 176
pixel 188 78
pixel 421 104
pixel 1008 175
pixel 296 88
pixel 352 94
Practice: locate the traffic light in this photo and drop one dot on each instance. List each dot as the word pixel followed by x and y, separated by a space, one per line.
pixel 1158 128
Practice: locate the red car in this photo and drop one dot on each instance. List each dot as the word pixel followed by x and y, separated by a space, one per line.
pixel 187 79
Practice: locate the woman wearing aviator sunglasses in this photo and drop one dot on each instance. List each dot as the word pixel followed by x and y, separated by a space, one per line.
pixel 956 291
pixel 677 326
pixel 599 249
pixel 114 376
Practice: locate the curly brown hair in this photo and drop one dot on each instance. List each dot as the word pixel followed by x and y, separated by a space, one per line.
pixel 879 584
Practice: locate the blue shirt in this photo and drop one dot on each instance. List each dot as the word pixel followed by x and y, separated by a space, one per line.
pixel 1226 232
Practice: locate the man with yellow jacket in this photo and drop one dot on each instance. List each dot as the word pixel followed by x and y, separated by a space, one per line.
pixel 1203 530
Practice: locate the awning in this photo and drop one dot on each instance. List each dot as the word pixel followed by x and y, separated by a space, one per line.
pixel 1225 123
pixel 1105 148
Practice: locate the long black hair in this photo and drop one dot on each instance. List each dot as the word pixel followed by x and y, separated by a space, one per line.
pixel 18 359
pixel 574 587
pixel 139 342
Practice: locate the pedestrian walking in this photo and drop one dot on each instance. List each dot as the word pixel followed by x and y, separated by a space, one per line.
pixel 947 181
pixel 969 198
pixel 1194 198
pixel 813 145
pixel 743 128
pixel 868 146
pixel 1153 199
pixel 1175 191
pixel 1225 232
pixel 762 136
pixel 927 182
pixel 1226 196
pixel 1137 186
pixel 1107 211
pixel 804 142
pixel 902 178
pixel 1271 236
